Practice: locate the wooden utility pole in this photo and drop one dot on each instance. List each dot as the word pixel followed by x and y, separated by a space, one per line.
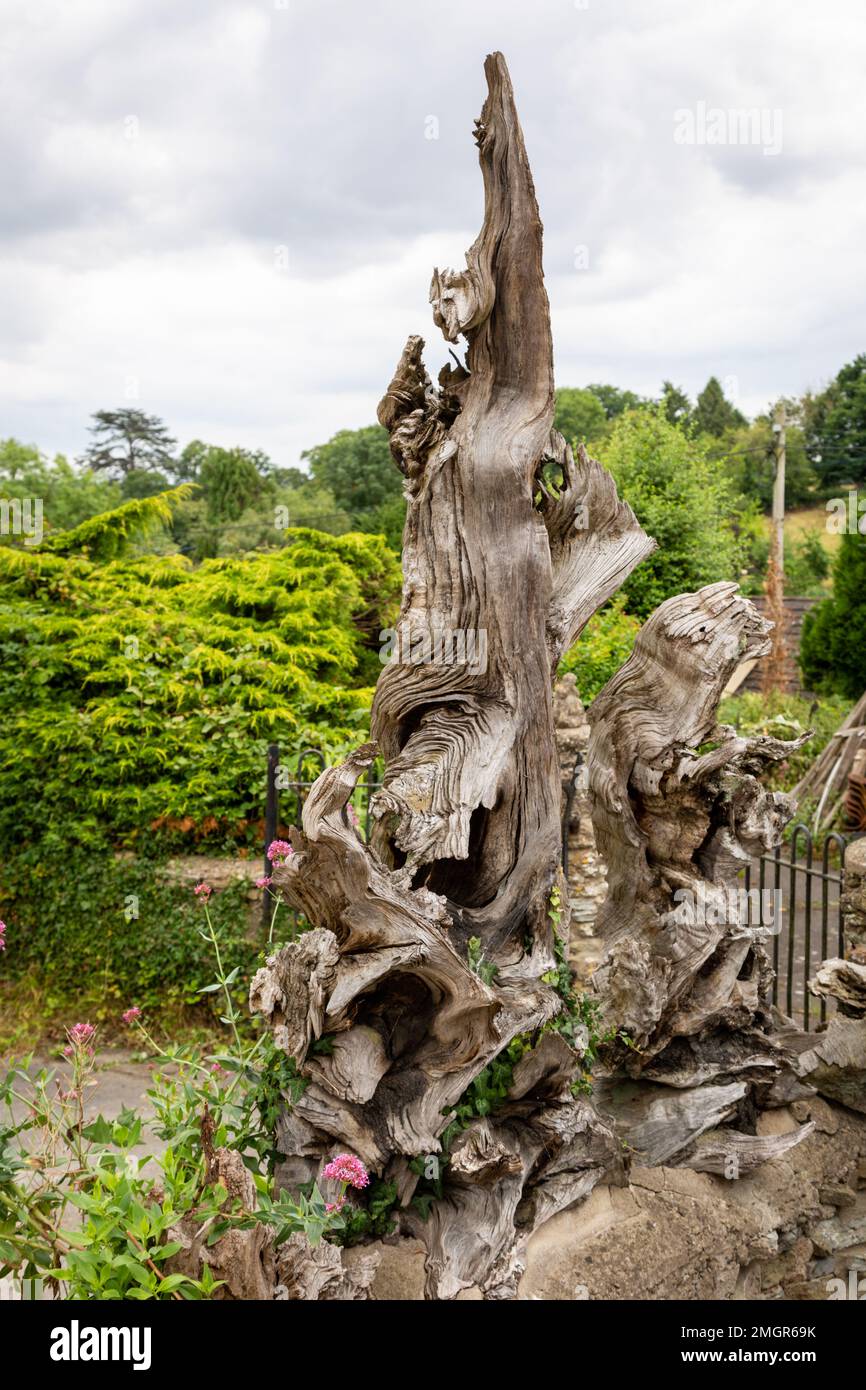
pixel 779 488
pixel 775 674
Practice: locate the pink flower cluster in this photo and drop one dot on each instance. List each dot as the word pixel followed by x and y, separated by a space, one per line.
pixel 131 1014
pixel 265 881
pixel 2 936
pixel 348 1169
pixel 79 1036
pixel 279 851
pixel 203 890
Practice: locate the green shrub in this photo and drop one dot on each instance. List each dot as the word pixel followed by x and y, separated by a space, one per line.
pixel 137 699
pixel 683 497
pixel 141 694
pixel 601 649
pixel 833 643
pixel 109 931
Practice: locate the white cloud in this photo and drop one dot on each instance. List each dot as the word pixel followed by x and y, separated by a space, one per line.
pixel 157 154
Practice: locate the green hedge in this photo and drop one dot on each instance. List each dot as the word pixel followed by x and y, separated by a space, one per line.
pixel 139 695
pixel 108 932
pixel 603 646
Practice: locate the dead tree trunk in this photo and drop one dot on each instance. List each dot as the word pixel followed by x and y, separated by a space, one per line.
pixel 434 948
pixel 502 569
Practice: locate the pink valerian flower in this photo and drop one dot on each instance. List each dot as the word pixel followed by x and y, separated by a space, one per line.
pixel 217 1068
pixel 80 1032
pixel 335 1206
pixel 2 936
pixel 203 890
pixel 79 1036
pixel 130 1015
pixel 348 1169
pixel 265 881
pixel 353 816
pixel 279 851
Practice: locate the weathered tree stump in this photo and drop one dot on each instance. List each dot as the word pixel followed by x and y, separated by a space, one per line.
pixel 512 543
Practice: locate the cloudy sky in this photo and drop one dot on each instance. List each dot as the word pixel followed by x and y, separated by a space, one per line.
pixel 226 212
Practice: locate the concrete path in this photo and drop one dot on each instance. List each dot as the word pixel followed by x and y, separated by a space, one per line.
pixel 117 1082
pixel 121 1082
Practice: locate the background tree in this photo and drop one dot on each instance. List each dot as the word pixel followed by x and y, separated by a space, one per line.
pixel 681 496
pixel 714 413
pixel 231 484
pixel 264 525
pixel 69 495
pixel 579 415
pixel 675 403
pixel 294 478
pixel 836 427
pixel 125 440
pixel 143 483
pixel 833 642
pixel 751 455
pixel 192 456
pixel 614 399
pixel 231 480
pixel 357 468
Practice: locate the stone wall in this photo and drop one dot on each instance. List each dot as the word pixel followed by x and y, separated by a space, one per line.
pixel 854 902
pixel 587 879
pixel 784 1231
pixel 220 872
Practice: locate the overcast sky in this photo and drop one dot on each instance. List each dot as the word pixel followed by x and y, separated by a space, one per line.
pixel 226 212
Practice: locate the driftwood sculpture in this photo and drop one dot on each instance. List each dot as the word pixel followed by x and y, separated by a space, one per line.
pixel 434 947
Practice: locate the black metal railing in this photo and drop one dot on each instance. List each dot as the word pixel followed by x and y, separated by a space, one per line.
pixel 811 928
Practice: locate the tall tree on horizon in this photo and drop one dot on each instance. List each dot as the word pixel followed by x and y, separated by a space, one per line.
pixel 126 440
pixel 714 413
pixel 676 404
